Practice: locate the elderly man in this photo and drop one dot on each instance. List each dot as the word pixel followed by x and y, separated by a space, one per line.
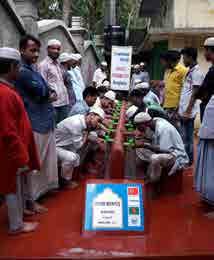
pixel 100 74
pixel 144 73
pixel 76 83
pixel 167 146
pixel 37 98
pixel 70 138
pixel 78 72
pixel 90 95
pixel 18 152
pixel 107 101
pixel 52 73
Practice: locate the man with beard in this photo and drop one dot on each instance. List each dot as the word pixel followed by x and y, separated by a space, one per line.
pixel 52 73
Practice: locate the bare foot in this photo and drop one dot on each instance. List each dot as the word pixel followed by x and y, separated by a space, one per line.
pixel 27 228
pixel 28 212
pixel 38 208
pixel 72 185
pixel 209 215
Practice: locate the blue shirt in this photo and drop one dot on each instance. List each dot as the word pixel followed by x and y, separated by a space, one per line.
pixel 76 85
pixel 35 93
pixel 79 108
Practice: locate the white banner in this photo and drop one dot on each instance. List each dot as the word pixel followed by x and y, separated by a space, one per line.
pixel 121 59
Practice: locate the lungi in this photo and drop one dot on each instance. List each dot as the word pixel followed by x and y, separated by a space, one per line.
pixel 39 183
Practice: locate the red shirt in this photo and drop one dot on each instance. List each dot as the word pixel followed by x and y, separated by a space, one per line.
pixel 17 146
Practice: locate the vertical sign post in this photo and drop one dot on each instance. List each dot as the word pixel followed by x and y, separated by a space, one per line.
pixel 121 59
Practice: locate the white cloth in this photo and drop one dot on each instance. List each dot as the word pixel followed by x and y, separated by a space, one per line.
pixel 10 53
pixel 76 85
pixel 99 76
pixel 54 42
pixel 97 103
pixel 168 139
pixel 39 183
pixel 69 132
pixel 151 97
pixel 142 117
pixel 193 78
pixel 79 76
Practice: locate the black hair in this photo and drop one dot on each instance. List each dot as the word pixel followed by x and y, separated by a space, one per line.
pixel 211 48
pixel 171 56
pixel 137 93
pixel 24 41
pixel 5 65
pixel 90 91
pixel 101 90
pixel 190 52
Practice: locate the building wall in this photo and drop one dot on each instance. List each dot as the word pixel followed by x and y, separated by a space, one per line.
pixel 179 43
pixel 89 65
pixel 9 33
pixel 193 14
pixel 56 33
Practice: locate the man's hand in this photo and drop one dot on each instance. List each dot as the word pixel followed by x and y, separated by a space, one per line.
pixel 53 97
pixel 187 114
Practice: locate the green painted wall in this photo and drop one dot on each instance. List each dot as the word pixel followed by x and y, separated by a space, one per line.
pixel 155 68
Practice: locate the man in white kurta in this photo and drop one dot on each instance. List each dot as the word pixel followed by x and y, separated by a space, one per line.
pixel 78 71
pixel 167 145
pixel 100 74
pixel 70 137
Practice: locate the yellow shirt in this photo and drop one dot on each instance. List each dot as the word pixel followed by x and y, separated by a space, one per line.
pixel 173 84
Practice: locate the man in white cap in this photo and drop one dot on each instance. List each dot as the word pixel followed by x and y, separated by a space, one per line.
pixel 106 102
pixel 150 97
pixel 137 75
pixel 100 74
pixel 71 135
pixel 131 111
pixel 65 61
pixel 77 87
pixel 52 73
pixel 18 153
pixel 167 145
pixel 145 74
pixel 78 72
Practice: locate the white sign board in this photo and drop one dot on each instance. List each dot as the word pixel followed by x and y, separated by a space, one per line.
pixel 121 59
pixel 107 210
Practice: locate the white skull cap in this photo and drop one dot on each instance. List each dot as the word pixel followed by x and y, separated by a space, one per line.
pixel 110 95
pixel 143 85
pixel 64 57
pixel 98 111
pixel 79 56
pixel 10 54
pixel 104 63
pixel 74 56
pixel 142 117
pixel 54 42
pixel 106 84
pixel 131 111
pixel 209 42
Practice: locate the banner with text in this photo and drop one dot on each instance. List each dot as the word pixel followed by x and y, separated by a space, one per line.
pixel 121 59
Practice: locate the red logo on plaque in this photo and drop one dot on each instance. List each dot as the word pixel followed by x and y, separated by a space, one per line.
pixel 132 191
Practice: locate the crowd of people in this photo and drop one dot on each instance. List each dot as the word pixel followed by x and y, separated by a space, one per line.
pixel 51 121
